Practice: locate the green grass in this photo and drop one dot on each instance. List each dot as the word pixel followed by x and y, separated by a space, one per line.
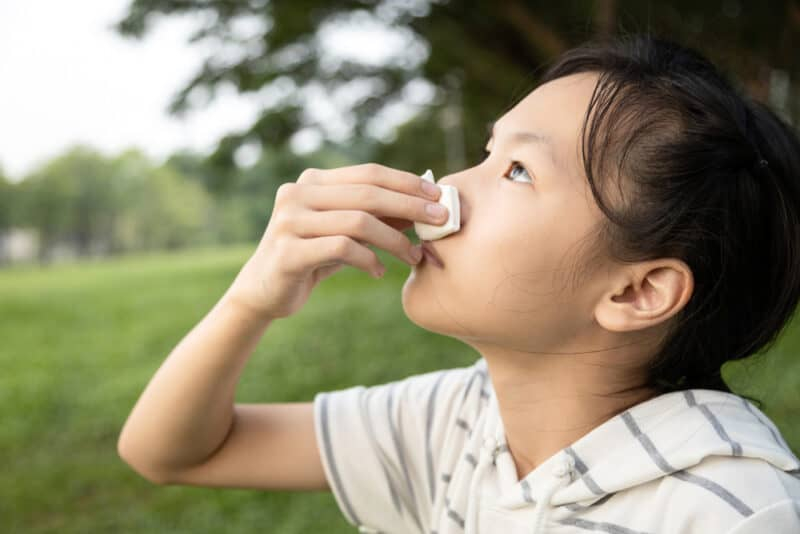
pixel 81 341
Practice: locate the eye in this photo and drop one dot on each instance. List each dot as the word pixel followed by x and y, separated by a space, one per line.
pixel 516 168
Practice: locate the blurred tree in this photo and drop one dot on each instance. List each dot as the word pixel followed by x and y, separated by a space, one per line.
pixel 454 65
pixel 166 211
pixel 97 205
pixel 8 198
pixel 72 199
pixel 257 184
pixel 195 166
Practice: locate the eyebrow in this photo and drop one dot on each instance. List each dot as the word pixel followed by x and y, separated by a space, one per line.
pixel 536 138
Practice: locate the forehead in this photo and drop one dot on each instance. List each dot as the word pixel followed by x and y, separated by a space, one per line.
pixel 556 109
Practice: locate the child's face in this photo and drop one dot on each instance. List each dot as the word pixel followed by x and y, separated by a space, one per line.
pixel 506 276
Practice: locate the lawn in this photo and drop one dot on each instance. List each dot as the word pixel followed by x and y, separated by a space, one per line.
pixel 81 341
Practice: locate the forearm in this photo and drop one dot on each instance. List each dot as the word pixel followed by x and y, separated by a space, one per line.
pixel 186 410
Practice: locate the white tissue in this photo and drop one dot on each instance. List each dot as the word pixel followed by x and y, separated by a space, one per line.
pixel 448 199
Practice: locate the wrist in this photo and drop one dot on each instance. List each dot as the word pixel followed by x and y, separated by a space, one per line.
pixel 245 310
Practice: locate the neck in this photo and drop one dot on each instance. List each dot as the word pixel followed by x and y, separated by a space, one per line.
pixel 549 401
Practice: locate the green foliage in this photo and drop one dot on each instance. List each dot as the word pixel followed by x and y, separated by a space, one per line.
pixel 116 204
pixel 482 55
pixel 72 374
pixel 8 200
pixel 72 198
pixel 169 211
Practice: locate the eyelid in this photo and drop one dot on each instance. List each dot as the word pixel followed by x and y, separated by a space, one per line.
pixel 520 163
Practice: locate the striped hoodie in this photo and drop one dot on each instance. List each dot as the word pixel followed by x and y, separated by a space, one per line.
pixel 427 454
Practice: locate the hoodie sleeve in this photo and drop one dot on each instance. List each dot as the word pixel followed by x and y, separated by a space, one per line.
pixel 783 517
pixel 380 447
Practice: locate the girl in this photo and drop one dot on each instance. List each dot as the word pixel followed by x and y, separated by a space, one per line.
pixel 634 225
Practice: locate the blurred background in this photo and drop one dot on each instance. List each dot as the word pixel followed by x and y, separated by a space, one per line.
pixel 141 145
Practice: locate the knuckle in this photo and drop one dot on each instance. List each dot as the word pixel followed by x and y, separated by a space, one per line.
pixel 291 262
pixel 372 168
pixel 308 176
pixel 285 191
pixel 360 222
pixel 365 195
pixel 281 223
pixel 340 247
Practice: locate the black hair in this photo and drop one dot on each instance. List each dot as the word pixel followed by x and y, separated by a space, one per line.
pixel 706 175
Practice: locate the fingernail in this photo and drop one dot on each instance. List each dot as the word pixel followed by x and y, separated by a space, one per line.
pixel 435 210
pixel 430 189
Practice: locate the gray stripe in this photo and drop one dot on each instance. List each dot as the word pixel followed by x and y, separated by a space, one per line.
pixel 471 459
pixel 716 489
pixel 384 461
pixel 463 424
pixel 778 439
pixel 446 477
pixel 452 514
pixel 526 491
pixel 575 507
pixel 483 379
pixel 585 476
pixel 647 444
pixel 484 394
pixel 579 465
pixel 736 448
pixel 398 447
pixel 428 429
pixel 500 449
pixel 469 385
pixel 683 475
pixel 326 440
pixel 602 527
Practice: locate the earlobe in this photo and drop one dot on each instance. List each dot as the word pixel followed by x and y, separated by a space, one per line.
pixel 648 295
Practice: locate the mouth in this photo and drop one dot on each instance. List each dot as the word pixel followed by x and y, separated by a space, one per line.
pixel 430 253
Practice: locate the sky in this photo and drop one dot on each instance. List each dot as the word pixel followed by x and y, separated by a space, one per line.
pixel 66 77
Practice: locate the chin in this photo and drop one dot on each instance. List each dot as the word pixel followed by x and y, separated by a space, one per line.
pixel 430 309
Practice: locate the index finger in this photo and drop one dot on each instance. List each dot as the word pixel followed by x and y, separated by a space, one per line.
pixel 372 173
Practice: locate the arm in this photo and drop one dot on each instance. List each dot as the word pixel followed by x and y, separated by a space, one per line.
pixel 185 429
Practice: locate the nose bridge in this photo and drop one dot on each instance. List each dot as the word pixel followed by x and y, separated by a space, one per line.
pixel 468 184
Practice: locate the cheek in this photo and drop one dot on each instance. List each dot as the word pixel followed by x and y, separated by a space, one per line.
pixel 527 252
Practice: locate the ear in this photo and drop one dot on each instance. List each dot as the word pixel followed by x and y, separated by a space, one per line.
pixel 645 295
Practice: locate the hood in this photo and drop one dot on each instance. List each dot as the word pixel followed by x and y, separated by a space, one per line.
pixel 664 435
pixel 667 434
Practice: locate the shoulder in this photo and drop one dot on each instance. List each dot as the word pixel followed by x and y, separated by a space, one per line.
pixel 381 445
pixel 782 516
pixel 723 493
pixel 435 392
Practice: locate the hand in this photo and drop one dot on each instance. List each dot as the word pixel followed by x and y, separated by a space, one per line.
pixel 324 221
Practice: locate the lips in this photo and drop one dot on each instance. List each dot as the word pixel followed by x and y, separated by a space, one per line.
pixel 427 246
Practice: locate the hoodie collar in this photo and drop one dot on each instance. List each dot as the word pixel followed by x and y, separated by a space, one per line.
pixel 665 434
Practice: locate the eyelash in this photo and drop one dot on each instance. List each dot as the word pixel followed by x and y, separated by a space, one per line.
pixel 513 164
